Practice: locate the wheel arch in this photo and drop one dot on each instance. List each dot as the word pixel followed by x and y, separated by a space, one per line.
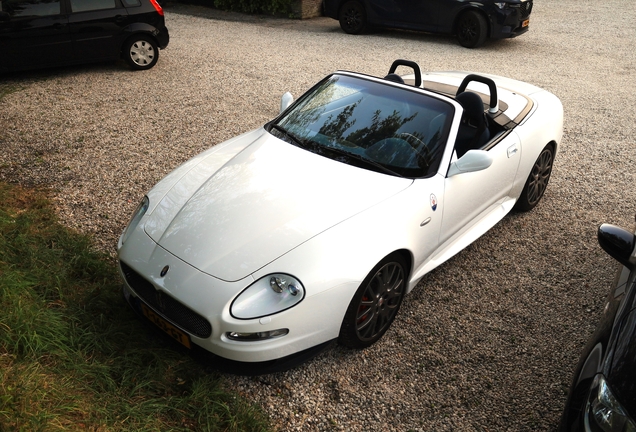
pixel 135 30
pixel 585 372
pixel 344 2
pixel 407 256
pixel 469 8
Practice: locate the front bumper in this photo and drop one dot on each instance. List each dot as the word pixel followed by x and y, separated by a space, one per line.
pixel 510 22
pixel 221 363
pixel 187 303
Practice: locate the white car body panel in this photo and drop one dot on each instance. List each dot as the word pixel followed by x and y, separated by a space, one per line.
pixel 270 190
pixel 256 205
pixel 471 194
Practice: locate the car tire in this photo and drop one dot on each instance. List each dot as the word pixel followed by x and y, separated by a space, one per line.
pixel 140 52
pixel 353 18
pixel 375 304
pixel 472 29
pixel 537 181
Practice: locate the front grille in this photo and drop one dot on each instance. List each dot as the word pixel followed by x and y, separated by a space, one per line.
pixel 167 306
pixel 526 8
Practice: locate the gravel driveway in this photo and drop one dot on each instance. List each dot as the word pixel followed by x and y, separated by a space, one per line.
pixel 487 341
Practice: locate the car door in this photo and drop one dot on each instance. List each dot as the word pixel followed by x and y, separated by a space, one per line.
pixel 421 14
pixel 33 33
pixel 96 28
pixel 380 11
pixel 481 198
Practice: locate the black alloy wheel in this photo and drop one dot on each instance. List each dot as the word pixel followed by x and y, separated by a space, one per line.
pixel 537 181
pixel 472 29
pixel 353 17
pixel 375 304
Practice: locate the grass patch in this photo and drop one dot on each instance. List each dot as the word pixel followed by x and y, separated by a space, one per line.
pixel 72 354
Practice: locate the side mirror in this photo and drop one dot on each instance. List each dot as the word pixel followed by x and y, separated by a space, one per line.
pixel 618 243
pixel 472 161
pixel 285 101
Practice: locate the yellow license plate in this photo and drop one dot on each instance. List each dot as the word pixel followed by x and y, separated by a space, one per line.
pixel 526 23
pixel 164 325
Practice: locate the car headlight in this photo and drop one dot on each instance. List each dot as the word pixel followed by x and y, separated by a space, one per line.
pixel 269 295
pixel 139 212
pixel 603 412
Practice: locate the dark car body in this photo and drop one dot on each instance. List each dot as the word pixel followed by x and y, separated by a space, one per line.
pixel 602 396
pixel 471 21
pixel 42 33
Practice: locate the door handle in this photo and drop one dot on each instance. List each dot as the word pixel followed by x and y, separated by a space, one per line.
pixel 512 150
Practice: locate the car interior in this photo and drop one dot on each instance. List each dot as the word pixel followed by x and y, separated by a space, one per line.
pixel 477 128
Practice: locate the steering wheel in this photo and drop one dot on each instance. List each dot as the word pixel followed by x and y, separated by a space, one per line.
pixel 422 151
pixel 393 151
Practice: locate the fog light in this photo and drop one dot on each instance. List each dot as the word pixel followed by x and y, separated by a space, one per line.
pixel 250 337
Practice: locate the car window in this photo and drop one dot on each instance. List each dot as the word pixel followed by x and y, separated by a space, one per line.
pixel 91 5
pixel 27 8
pixel 404 131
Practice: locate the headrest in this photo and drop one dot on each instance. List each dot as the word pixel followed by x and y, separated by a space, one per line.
pixel 394 77
pixel 472 104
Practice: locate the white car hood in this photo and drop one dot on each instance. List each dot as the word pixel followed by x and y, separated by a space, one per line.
pixel 264 201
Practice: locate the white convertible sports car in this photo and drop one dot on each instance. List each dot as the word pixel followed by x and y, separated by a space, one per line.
pixel 315 226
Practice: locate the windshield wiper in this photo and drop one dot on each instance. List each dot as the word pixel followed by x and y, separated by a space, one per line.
pixel 362 159
pixel 321 149
pixel 294 138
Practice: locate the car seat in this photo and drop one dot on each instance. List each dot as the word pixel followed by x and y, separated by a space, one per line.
pixel 473 131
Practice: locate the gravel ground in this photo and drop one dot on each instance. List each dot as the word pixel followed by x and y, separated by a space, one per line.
pixel 487 341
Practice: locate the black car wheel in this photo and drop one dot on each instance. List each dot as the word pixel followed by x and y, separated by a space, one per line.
pixel 375 304
pixel 472 29
pixel 537 181
pixel 353 17
pixel 141 52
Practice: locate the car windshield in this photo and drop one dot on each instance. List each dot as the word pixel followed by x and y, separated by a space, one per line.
pixel 369 124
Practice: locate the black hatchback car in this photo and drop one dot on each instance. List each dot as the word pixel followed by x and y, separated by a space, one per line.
pixel 42 33
pixel 603 393
pixel 471 21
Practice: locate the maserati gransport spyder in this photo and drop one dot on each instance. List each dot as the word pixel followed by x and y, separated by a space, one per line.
pixel 314 227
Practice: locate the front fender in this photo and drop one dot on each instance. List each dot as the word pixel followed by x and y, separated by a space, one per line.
pixel 343 255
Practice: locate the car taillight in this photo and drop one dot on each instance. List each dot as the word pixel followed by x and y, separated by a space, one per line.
pixel 157 6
